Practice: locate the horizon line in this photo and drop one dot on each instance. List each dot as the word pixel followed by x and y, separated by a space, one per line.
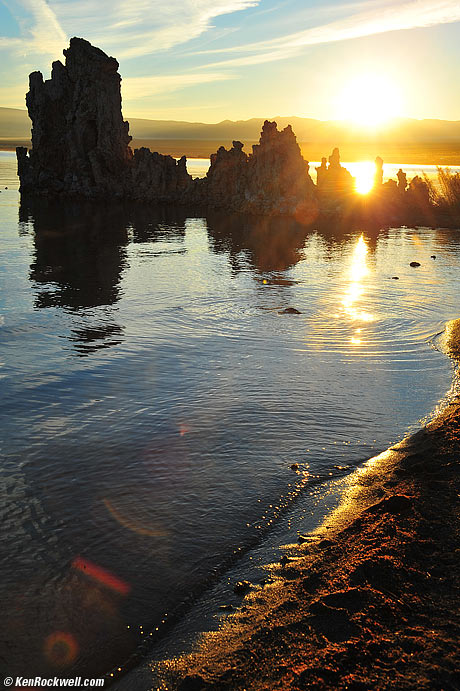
pixel 274 118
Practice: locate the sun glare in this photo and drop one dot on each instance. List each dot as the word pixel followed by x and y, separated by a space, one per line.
pixel 364 175
pixel 369 100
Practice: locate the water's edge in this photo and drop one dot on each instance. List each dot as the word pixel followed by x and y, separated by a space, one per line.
pixel 206 610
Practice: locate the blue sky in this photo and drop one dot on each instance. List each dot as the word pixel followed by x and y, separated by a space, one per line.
pixel 208 60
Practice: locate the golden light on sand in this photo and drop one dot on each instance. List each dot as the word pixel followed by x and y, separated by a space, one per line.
pixel 364 176
pixel 369 100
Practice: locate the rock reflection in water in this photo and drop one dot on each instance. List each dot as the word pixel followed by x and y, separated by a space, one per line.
pixel 81 256
pixel 149 223
pixel 80 252
pixel 265 244
pixel 89 340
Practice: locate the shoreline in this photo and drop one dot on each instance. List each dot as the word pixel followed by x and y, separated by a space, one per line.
pixel 370 599
pixel 203 148
pixel 208 608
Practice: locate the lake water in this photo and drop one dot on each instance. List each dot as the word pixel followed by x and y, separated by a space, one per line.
pixel 154 399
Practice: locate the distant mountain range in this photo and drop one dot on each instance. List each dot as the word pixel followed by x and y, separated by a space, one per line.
pixel 15 123
pixel 306 130
pixel 438 138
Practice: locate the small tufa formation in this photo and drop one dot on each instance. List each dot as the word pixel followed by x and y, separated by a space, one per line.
pixel 402 180
pixel 158 178
pixel 273 179
pixel 278 178
pixel 226 178
pixel 321 172
pixel 378 177
pixel 335 183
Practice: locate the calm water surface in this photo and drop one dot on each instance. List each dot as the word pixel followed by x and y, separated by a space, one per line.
pixel 154 398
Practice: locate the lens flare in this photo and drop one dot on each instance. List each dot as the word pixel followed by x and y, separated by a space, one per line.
pixel 61 649
pixel 133 525
pixel 101 575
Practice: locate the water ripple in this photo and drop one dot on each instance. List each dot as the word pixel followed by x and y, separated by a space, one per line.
pixel 156 392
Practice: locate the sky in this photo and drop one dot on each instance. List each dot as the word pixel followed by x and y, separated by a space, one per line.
pixel 211 60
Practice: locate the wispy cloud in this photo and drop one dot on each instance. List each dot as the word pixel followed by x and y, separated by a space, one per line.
pixel 7 42
pixel 132 29
pixel 136 28
pixel 382 18
pixel 135 88
pixel 127 29
pixel 41 31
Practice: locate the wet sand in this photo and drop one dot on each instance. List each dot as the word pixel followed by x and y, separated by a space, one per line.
pixel 370 600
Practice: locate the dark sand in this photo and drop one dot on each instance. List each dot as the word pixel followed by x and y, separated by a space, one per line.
pixel 371 600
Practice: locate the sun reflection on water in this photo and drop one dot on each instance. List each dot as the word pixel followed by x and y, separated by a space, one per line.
pixel 358 271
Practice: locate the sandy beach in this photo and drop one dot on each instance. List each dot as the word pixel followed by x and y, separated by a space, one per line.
pixel 370 600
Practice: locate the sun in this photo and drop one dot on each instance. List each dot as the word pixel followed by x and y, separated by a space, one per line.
pixel 369 100
pixel 364 173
